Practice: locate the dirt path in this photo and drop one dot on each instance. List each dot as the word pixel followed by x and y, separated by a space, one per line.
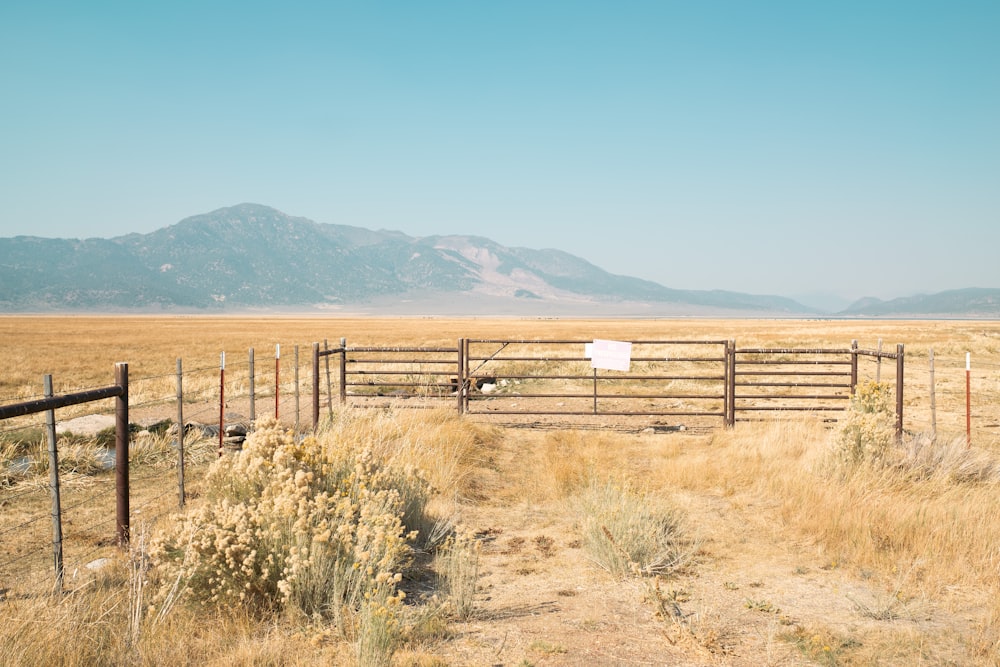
pixel 752 595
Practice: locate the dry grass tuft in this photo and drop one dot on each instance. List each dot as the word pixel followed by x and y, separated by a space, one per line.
pixel 628 533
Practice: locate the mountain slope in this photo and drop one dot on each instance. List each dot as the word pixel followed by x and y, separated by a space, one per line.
pixel 252 256
pixel 969 302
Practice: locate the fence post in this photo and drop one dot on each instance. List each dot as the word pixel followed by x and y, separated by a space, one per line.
pixel 731 381
pixel 854 366
pixel 315 387
pixel 343 371
pixel 933 399
pixel 253 393
pixel 296 349
pixel 725 384
pixel 222 400
pixel 899 391
pixel 968 398
pixel 878 363
pixel 57 541
pixel 459 374
pixel 277 375
pixel 329 384
pixel 121 455
pixel 180 432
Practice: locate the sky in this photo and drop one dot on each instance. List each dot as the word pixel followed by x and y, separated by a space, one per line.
pixel 795 148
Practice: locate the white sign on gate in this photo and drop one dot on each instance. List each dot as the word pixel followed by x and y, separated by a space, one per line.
pixel 612 355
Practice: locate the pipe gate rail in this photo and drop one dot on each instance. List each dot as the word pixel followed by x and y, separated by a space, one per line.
pixel 666 378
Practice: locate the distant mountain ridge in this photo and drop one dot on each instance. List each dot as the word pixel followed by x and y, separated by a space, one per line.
pixel 969 302
pixel 255 257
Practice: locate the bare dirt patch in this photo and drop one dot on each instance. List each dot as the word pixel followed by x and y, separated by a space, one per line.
pixel 753 592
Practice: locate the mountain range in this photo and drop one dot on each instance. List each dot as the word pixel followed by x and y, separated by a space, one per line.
pixel 253 257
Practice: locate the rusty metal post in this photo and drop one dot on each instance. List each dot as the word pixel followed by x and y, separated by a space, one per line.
pixel 726 353
pixel 463 380
pixel 180 433
pixel 968 399
pixel 732 383
pixel 329 382
pixel 899 391
pixel 121 456
pixel 277 378
pixel 854 367
pixel 459 374
pixel 343 371
pixel 296 390
pixel 315 387
pixel 57 538
pixel 222 400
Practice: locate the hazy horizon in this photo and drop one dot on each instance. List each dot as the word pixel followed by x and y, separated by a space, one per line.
pixel 824 152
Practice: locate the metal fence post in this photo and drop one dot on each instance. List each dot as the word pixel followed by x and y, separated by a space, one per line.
pixel 121 455
pixel 460 374
pixel 899 391
pixel 933 398
pixel 731 381
pixel 343 371
pixel 329 386
pixel 253 393
pixel 296 389
pixel 315 387
pixel 57 541
pixel 180 433
pixel 277 376
pixel 854 366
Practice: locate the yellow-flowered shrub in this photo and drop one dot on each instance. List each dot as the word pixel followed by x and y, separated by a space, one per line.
pixel 304 525
pixel 869 428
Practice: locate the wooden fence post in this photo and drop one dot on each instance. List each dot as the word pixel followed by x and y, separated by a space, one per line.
pixel 57 541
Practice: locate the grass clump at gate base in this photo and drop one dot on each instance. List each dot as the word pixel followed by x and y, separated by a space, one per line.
pixel 628 533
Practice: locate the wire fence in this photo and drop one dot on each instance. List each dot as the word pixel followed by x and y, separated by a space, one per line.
pixel 179 422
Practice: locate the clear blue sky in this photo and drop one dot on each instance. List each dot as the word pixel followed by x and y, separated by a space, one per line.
pixel 767 147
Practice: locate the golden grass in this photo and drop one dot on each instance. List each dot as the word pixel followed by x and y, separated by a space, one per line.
pixel 925 522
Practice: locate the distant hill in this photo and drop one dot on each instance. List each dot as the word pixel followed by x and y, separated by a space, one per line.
pixel 255 257
pixel 970 302
pixel 250 257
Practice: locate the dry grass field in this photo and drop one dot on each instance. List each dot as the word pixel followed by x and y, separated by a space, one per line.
pixel 775 551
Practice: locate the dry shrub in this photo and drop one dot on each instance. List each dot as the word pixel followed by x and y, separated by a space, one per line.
pixel 629 533
pixel 443 447
pixel 922 456
pixel 312 527
pixel 869 428
pixel 457 564
pixel 322 527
